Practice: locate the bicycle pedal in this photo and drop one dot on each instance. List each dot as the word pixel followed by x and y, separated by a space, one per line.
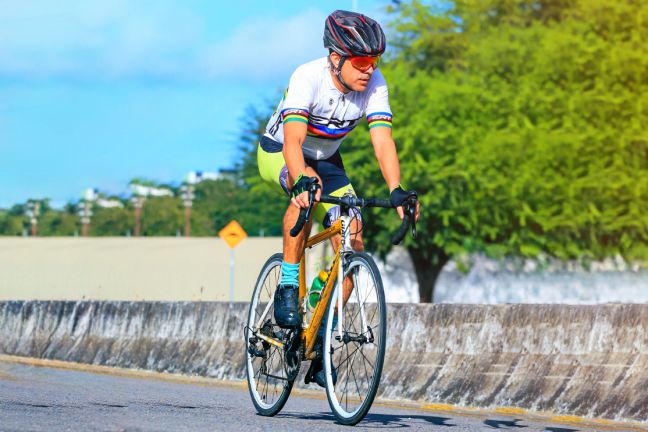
pixel 254 351
pixel 310 375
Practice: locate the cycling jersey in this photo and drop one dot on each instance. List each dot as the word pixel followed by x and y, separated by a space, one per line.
pixel 330 115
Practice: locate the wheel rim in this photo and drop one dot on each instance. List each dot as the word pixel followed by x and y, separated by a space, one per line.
pixel 265 389
pixel 356 361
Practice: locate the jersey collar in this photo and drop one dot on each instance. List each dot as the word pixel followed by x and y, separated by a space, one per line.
pixel 331 84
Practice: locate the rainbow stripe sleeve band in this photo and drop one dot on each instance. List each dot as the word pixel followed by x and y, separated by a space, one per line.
pixel 294 114
pixel 379 119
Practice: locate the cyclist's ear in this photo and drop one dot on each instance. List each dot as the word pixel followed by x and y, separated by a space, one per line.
pixel 334 58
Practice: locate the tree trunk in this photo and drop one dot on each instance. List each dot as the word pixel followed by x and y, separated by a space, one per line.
pixel 428 265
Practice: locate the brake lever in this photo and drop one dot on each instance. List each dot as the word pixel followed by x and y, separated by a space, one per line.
pixel 304 213
pixel 411 210
pixel 311 198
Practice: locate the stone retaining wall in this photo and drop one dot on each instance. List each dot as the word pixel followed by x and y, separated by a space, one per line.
pixel 580 360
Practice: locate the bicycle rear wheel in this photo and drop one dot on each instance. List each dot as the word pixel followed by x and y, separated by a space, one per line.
pixel 270 379
pixel 357 356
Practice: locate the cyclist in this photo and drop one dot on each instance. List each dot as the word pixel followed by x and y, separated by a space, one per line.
pixel 326 98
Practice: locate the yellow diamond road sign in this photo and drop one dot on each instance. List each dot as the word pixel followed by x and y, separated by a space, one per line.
pixel 233 234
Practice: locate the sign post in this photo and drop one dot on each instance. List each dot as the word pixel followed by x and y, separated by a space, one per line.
pixel 233 234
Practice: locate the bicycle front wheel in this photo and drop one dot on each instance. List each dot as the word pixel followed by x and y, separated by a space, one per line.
pixel 269 381
pixel 355 357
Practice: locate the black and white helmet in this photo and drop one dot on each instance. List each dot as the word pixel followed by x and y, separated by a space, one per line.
pixel 353 34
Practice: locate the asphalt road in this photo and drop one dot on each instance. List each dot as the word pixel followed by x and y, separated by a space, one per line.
pixel 47 399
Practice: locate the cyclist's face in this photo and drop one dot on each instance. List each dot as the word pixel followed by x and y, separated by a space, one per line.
pixel 353 77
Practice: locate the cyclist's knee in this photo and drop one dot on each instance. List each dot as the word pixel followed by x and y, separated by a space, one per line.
pixel 333 214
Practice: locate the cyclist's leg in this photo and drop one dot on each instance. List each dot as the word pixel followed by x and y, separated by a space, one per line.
pixel 337 183
pixel 272 169
pixel 329 213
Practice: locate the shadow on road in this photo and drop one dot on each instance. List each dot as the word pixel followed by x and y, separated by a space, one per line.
pixel 515 424
pixel 504 424
pixel 378 420
pixel 560 429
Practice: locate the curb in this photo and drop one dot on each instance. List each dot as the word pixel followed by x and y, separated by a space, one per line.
pixel 546 417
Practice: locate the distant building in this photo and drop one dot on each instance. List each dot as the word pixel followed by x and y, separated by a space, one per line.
pixel 109 203
pixel 144 191
pixel 195 177
pixel 227 173
pixel 90 194
pixel 93 195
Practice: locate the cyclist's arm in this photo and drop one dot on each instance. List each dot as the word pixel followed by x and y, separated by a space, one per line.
pixel 297 101
pixel 294 137
pixel 379 118
pixel 385 149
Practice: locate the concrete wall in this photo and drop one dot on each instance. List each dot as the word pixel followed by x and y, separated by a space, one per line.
pixel 155 268
pixel 168 269
pixel 552 281
pixel 581 360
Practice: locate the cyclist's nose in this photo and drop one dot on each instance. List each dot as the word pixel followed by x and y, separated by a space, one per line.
pixel 367 74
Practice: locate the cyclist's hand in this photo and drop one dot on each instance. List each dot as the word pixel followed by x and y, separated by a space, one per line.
pixel 401 212
pixel 301 200
pixel 299 192
pixel 398 197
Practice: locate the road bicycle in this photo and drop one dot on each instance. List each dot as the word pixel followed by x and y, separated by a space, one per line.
pixel 354 339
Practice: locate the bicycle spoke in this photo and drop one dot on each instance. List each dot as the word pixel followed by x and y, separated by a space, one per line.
pixel 364 301
pixel 356 384
pixel 265 389
pixel 347 380
pixel 350 374
pixel 257 377
pixel 357 287
pixel 368 361
pixel 365 368
pixel 347 358
pixel 354 355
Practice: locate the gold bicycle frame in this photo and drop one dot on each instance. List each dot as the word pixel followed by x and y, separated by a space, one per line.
pixel 310 332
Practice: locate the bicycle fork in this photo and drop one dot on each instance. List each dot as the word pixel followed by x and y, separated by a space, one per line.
pixel 346 250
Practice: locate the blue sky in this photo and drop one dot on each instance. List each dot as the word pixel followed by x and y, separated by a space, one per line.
pixel 95 93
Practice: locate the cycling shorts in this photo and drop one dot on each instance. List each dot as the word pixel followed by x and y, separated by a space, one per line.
pixel 272 168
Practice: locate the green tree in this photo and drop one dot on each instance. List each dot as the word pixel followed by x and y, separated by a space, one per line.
pixel 111 221
pixel 526 136
pixel 260 206
pixel 58 223
pixel 11 224
pixel 162 216
pixel 216 204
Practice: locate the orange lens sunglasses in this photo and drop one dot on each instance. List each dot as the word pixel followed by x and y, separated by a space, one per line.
pixel 363 64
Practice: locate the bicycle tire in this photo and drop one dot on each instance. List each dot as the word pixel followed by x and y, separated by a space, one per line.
pixel 372 299
pixel 264 290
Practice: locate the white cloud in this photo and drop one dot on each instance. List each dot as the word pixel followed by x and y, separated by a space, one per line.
pixel 122 39
pixel 262 47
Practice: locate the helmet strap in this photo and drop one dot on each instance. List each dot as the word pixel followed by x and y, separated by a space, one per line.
pixel 338 71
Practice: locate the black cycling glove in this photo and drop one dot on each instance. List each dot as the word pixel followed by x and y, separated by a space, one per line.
pixel 302 184
pixel 398 196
